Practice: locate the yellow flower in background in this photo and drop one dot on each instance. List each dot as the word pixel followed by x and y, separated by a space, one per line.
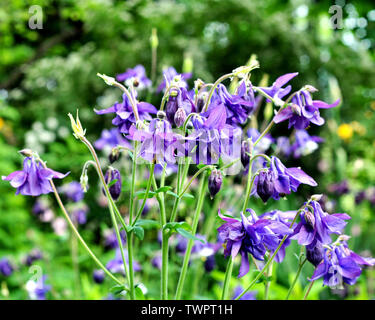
pixel 345 131
pixel 1 123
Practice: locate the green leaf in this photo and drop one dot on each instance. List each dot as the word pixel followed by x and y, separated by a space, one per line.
pixel 163 189
pixel 188 195
pixel 142 193
pixel 188 235
pixel 111 183
pixel 148 224
pixel 172 194
pixel 139 232
pixel 139 293
pixel 117 289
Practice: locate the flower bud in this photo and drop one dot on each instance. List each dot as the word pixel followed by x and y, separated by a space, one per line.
pixel 114 155
pixel 114 189
pixel 315 254
pixel 310 219
pixel 265 185
pixel 214 182
pixel 245 151
pixel 98 276
pixel 316 197
pixel 26 152
pixel 161 115
pixel 154 41
pixel 180 117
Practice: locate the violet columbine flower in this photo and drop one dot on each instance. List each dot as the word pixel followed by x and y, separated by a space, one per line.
pixel 303 111
pixel 250 235
pixel 277 180
pixel 38 289
pixel 340 265
pixel 246 92
pixel 73 191
pixel 318 225
pixel 237 108
pixel 110 139
pixel 215 181
pixel 79 214
pixel 136 75
pixel 250 295
pixel 124 113
pixel 178 99
pixel 283 147
pixel 98 276
pixel 286 219
pixel 115 189
pixel 6 268
pixel 180 117
pixel 305 144
pixel 34 179
pixel 276 91
pixel 170 76
pixel 158 142
pixel 116 265
pixel 315 253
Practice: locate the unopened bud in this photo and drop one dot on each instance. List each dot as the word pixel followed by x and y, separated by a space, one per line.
pixel 310 88
pixel 214 182
pixel 154 41
pixel 180 117
pixel 26 152
pixel 115 188
pixel 245 153
pixel 265 185
pixel 114 155
pixel 78 131
pixel 310 219
pixel 316 197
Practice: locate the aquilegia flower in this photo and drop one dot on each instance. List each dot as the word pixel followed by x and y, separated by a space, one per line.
pixel 303 111
pixel 170 76
pixel 276 91
pixel 73 191
pixel 340 265
pixel 250 235
pixel 214 182
pixel 34 179
pixel 137 74
pixel 115 189
pixel 124 113
pixel 38 289
pixel 305 144
pixel 116 265
pixel 277 180
pixel 318 225
pixel 110 139
pixel 6 269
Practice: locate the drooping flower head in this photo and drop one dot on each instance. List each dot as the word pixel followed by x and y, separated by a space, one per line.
pixel 125 118
pixel 250 235
pixel 317 225
pixel 215 181
pixel 340 265
pixel 135 76
pixel 277 180
pixel 303 111
pixel 112 174
pixel 34 179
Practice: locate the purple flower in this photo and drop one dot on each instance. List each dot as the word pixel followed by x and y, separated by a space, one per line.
pixel 178 100
pixel 250 235
pixel 339 188
pixel 38 289
pixel 237 108
pixel 117 266
pixel 170 75
pixel 138 74
pixel 110 139
pixel 263 145
pixel 303 111
pixel 250 295
pixel 315 253
pixel 98 276
pixel 318 225
pixel 33 180
pixel 34 255
pixel 277 180
pixel 283 146
pixel 158 142
pixel 6 268
pixel 276 91
pixel 340 265
pixel 79 214
pixel 284 218
pixel 360 196
pixel 73 191
pixel 115 189
pixel 305 144
pixel 124 113
pixel 157 261
pixel 110 238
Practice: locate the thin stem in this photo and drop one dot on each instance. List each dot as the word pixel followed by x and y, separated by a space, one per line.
pixel 193 178
pixel 270 260
pixel 201 196
pixel 308 290
pixel 177 199
pixel 71 224
pixel 301 264
pixel 217 82
pixel 228 275
pixel 268 283
pixel 74 251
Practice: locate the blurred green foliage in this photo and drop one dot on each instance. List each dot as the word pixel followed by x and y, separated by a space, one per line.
pixel 46 73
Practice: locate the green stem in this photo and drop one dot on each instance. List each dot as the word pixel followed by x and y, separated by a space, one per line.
pixel 193 178
pixel 308 290
pixel 71 224
pixel 268 283
pixel 228 275
pixel 217 82
pixel 301 264
pixel 201 196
